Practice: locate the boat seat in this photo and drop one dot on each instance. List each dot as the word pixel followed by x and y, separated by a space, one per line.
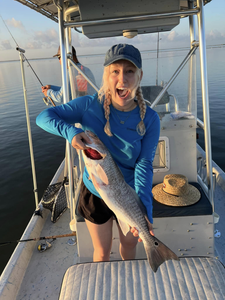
pixel 190 278
pixel 202 207
pixel 151 92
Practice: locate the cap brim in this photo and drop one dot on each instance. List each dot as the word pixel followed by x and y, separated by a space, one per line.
pixel 191 197
pixel 120 57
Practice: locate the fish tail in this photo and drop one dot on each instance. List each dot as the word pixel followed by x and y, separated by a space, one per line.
pixel 158 253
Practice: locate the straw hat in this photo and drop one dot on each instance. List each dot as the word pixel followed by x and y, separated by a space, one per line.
pixel 176 191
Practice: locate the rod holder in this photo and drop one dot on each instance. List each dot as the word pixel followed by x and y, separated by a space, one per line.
pixel 214 183
pixel 67 189
pixel 20 49
pixel 75 176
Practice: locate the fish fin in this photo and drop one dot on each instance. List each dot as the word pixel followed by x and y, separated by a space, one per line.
pixel 96 185
pixel 102 175
pixel 124 227
pixel 158 253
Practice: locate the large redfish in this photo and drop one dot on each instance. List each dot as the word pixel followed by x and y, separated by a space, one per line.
pixel 122 199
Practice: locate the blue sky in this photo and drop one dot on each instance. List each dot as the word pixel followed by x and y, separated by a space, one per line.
pixel 38 35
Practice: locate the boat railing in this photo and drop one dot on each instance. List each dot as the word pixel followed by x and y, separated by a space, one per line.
pixel 181 66
pixel 202 167
pixel 82 73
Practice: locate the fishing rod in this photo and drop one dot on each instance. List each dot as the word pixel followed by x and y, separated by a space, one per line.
pixel 19 49
pixel 39 238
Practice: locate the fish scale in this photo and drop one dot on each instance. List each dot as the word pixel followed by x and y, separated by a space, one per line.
pixel 122 199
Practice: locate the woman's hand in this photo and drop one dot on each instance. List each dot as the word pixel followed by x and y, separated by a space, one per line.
pixel 79 140
pixel 136 233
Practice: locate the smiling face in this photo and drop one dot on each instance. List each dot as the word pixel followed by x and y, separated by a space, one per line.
pixel 123 81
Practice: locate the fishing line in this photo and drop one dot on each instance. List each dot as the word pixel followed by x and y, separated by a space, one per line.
pixel 44 99
pixel 23 54
pixel 9 32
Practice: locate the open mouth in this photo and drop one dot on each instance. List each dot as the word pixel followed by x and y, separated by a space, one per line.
pixel 123 93
pixel 92 154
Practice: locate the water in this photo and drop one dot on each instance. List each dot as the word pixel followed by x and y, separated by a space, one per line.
pixel 16 192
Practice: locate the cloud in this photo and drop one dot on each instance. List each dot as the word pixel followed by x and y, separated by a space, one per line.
pixel 172 35
pixel 215 36
pixel 6 45
pixel 14 23
pixel 42 40
pixel 33 45
pixel 47 36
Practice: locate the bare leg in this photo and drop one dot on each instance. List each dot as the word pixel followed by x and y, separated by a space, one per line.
pixel 101 236
pixel 127 245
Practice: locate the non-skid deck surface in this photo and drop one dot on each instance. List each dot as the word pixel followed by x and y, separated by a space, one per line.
pixel 190 278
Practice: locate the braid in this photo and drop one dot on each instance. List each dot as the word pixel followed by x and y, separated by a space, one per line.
pixel 142 105
pixel 106 104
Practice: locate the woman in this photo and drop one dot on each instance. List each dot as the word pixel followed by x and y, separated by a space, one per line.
pixel 118 115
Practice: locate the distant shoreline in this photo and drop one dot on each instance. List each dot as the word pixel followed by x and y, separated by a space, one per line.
pixel 143 51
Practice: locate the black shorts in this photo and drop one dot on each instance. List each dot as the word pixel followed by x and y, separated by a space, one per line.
pixel 92 207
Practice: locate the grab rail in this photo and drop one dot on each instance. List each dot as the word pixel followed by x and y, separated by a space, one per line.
pixel 21 51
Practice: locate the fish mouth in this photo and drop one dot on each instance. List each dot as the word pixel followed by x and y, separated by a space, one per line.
pixel 93 153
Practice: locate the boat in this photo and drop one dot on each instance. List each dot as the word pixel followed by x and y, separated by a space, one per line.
pixel 62 267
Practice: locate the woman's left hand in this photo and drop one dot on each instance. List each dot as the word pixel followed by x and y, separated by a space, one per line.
pixel 136 233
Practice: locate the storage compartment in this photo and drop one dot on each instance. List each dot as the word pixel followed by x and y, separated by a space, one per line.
pixel 99 10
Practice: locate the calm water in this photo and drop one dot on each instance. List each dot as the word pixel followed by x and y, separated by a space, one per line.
pixel 16 192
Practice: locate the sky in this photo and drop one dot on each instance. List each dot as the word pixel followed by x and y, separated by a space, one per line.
pixel 38 35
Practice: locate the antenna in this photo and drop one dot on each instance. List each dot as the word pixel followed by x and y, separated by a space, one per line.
pixel 157 60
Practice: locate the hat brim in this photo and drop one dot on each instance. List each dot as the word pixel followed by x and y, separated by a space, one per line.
pixel 191 197
pixel 125 57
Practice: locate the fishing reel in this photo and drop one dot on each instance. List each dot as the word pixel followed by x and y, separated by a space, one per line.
pixel 44 246
pixel 47 101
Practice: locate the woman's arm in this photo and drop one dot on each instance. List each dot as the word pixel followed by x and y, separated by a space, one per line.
pixel 59 120
pixel 143 169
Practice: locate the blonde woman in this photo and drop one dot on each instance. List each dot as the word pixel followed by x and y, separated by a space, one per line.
pixel 118 115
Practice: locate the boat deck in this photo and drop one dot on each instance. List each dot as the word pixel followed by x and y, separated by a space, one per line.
pixel 43 277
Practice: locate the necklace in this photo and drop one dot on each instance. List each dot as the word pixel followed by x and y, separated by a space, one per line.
pixel 121 121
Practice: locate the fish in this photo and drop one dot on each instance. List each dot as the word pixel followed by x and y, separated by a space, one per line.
pixel 122 199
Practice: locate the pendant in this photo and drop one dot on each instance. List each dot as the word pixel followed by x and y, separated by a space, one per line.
pixel 122 122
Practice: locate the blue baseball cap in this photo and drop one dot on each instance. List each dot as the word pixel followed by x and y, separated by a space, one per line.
pixel 123 51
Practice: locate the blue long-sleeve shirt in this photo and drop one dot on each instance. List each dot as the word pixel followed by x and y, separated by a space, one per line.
pixel 133 153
